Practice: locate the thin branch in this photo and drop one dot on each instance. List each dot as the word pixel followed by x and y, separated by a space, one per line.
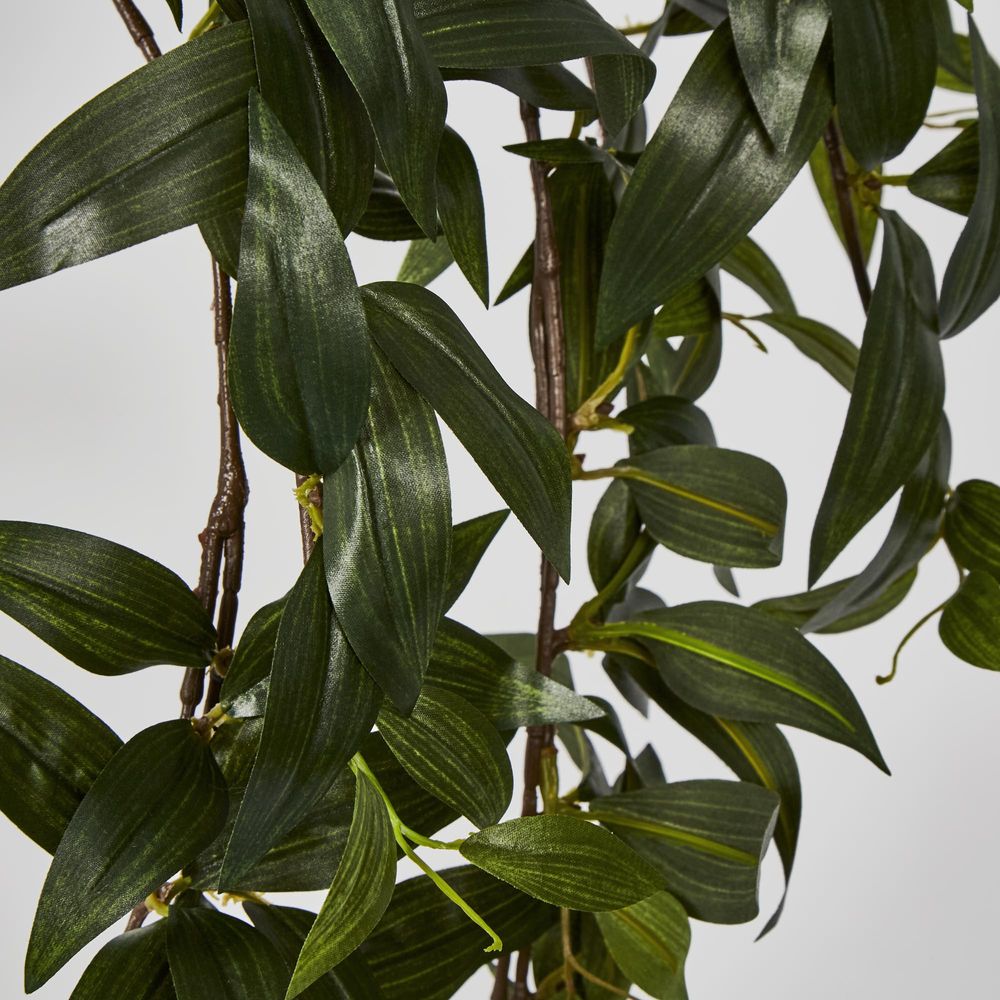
pixel 848 216
pixel 138 27
pixel 501 981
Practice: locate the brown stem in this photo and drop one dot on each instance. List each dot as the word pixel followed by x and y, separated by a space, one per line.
pixel 138 27
pixel 500 981
pixel 848 217
pixel 222 539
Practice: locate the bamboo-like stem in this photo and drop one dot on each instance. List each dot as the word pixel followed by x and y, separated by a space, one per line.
pixel 848 217
pixel 138 27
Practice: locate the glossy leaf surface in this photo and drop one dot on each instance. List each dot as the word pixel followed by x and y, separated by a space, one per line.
pixel 463 217
pixel 970 624
pixel 131 965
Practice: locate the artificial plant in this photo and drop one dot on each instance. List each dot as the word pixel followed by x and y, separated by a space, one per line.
pixel 351 720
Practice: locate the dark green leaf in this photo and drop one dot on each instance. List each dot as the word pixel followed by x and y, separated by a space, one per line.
pixel 747 262
pixel 379 45
pixel 663 421
pixel 818 342
pixel 594 956
pixel 970 625
pixel 614 529
pixel 450 749
pixel 360 892
pixel 108 609
pixel 778 44
pixel 707 838
pixel 508 693
pixel 741 664
pixel 172 153
pixel 320 704
pixel 469 542
pixel 972 525
pixel 896 403
pixel 710 503
pixel 621 83
pixel 386 217
pixel 709 174
pixel 914 531
pixel 244 693
pixel 387 536
pixel 563 861
pixel 298 365
pixel 972 281
pixel 551 86
pixel 425 947
pixel 686 371
pixel 954 52
pixel 308 90
pixel 950 178
pixel 520 277
pixel 51 751
pixel 222 237
pixel 561 151
pixel 693 310
pixel 425 261
pixel 132 965
pixel 215 957
pixel 463 217
pixel 885 61
pixel 177 9
pixel 520 452
pixel 649 941
pixel 160 800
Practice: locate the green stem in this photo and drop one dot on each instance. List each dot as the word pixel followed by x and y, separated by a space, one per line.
pixel 586 415
pixel 207 21
pixel 640 549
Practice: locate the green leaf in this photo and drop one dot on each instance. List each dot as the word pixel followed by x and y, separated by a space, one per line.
pixel 320 704
pixel 778 44
pixel 663 421
pixel 159 801
pixel 562 151
pixel 222 237
pixel 215 957
pixel 508 693
pixel 706 838
pixel 311 95
pixel 449 748
pixel 425 947
pixel 387 537
pixel 286 928
pixel 614 530
pixel 425 261
pixel 51 751
pixel 649 941
pixel 359 894
pixel 951 177
pixel 972 526
pixel 172 153
pixel 693 310
pixel 914 531
pixel 686 371
pixel 386 217
pixel 897 400
pixel 469 542
pixel 621 83
pixel 747 262
pixel 177 9
pixel 710 503
pixel 108 609
pixel 520 452
pixel 885 62
pixel 552 86
pixel 463 217
pixel 972 281
pixel 709 174
pixel 970 625
pixel 299 360
pixel 243 693
pixel 131 965
pixel 563 861
pixel 379 45
pixel 818 342
pixel 741 664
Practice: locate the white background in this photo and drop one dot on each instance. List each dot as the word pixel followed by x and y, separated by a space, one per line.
pixel 107 404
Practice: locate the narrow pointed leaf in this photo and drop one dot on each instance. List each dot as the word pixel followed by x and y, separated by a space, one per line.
pixel 747 262
pixel 387 217
pixel 897 400
pixel 320 705
pixel 222 235
pixel 379 45
pixel 563 861
pixel 108 609
pixel 778 44
pixel 709 503
pixel 243 693
pixel 970 625
pixel 448 747
pixel 160 800
pixel 621 83
pixel 707 838
pixel 359 894
pixel 549 86
pixel 425 261
pixel 818 342
pixel 972 525
pixel 131 965
pixel 387 537
pixel 649 942
pixel 172 153
pixel 519 451
pixel 299 357
pixel 177 9
pixel 972 280
pixel 709 174
pixel 951 178
pixel 216 957
pixel 573 152
pixel 741 664
pixel 614 529
pixel 52 749
pixel 463 217
pixel 469 542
